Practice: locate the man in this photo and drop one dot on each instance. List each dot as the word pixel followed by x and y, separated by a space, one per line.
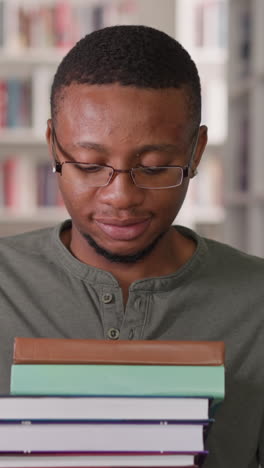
pixel 125 140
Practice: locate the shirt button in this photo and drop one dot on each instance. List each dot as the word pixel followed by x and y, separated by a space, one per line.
pixel 107 298
pixel 113 333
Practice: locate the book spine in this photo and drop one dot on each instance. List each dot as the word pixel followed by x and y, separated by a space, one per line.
pixel 64 351
pixel 10 189
pixel 118 380
pixel 3 103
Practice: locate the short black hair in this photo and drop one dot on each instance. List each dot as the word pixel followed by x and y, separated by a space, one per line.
pixel 130 55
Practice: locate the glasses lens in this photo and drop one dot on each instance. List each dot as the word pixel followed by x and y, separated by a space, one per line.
pixel 88 175
pixel 157 177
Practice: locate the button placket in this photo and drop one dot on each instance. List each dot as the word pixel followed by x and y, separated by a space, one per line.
pixel 113 313
pixel 135 316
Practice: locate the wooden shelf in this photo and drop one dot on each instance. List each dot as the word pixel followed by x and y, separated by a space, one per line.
pixel 31 56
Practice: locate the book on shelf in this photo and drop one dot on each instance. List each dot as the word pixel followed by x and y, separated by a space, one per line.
pixel 26 184
pixel 48 193
pixel 58 24
pixel 16 102
pixel 75 408
pixel 125 380
pixel 10 187
pixel 243 153
pixel 82 351
pixel 101 437
pixel 97 460
pixel 54 25
pixel 2 190
pixel 3 103
pixel 18 184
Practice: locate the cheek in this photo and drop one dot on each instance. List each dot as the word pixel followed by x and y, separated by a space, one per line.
pixel 169 203
pixel 75 199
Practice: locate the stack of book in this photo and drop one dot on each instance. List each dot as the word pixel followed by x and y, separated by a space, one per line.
pixel 109 403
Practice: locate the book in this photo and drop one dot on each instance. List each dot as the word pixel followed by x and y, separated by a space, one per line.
pixel 98 460
pixel 3 103
pixel 18 102
pixel 10 188
pixel 101 437
pixel 47 186
pixel 18 173
pixel 18 408
pixel 80 351
pixel 132 380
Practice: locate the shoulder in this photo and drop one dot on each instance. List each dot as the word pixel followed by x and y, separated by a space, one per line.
pixel 225 259
pixel 30 244
pixel 27 239
pixel 228 255
pixel 241 273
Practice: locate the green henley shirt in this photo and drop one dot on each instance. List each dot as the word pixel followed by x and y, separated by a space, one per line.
pixel 217 295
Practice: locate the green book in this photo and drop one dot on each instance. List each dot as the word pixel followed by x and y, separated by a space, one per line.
pixel 117 380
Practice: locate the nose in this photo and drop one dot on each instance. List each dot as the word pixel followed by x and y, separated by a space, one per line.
pixel 122 193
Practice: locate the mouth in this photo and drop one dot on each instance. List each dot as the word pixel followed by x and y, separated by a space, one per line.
pixel 123 230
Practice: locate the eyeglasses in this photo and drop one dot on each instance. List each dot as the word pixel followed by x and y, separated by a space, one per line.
pixel 97 175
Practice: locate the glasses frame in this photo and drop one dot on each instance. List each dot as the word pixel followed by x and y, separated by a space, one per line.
pixel 58 167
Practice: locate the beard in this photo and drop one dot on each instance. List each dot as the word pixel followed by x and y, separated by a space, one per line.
pixel 116 258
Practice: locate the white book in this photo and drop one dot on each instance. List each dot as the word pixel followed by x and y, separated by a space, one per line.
pixel 28 461
pixel 101 437
pixel 103 408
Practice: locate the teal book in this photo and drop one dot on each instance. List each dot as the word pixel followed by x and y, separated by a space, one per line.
pixel 118 380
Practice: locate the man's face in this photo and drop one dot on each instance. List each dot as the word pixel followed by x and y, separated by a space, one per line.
pixel 124 127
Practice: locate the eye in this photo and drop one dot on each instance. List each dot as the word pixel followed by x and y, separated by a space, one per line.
pixel 153 170
pixel 88 168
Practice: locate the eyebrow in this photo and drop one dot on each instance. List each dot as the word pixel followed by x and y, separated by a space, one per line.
pixel 91 145
pixel 164 147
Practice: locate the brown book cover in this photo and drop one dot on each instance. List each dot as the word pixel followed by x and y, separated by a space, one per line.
pixel 136 352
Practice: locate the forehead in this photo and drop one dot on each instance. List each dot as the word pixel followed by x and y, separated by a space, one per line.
pixel 124 112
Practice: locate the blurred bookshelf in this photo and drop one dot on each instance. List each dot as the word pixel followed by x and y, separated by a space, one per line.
pixel 201 26
pixel 244 162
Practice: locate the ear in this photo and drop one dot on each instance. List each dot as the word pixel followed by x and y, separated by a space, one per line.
pixel 50 140
pixel 198 150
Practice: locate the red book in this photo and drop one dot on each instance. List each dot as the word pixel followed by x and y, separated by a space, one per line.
pixel 136 352
pixel 3 103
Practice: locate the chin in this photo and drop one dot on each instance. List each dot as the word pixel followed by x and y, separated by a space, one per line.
pixel 123 257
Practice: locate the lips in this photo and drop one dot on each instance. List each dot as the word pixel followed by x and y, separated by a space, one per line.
pixel 124 230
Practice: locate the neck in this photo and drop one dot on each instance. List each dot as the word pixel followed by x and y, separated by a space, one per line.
pixel 171 252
